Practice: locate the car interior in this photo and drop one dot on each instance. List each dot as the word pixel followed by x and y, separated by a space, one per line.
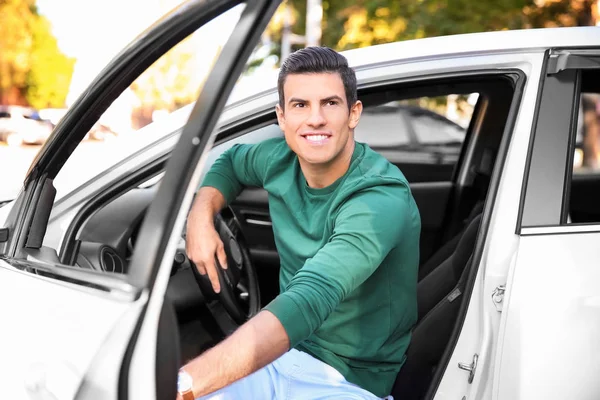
pixel 584 181
pixel 450 185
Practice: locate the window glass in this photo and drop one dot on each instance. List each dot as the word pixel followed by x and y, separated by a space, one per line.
pixel 425 131
pixel 587 140
pixel 584 190
pixel 156 105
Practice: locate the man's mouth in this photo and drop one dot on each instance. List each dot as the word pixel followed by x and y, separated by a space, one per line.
pixel 316 138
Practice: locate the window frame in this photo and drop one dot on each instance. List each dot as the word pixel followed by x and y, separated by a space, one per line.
pixel 429 86
pixel 545 196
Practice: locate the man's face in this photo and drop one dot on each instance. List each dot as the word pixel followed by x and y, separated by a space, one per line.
pixel 316 121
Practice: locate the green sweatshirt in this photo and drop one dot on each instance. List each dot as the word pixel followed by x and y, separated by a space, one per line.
pixel 349 256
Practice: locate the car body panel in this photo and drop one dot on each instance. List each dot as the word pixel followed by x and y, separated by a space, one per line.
pixel 482 330
pixel 50 343
pixel 552 327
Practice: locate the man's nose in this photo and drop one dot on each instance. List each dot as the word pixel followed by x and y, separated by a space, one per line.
pixel 316 117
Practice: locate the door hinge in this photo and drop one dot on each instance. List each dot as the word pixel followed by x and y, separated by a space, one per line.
pixel 498 297
pixel 470 367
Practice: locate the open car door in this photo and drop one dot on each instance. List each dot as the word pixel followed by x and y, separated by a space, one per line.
pixel 73 333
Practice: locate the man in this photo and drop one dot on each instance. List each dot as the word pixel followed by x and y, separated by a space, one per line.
pixel 347 233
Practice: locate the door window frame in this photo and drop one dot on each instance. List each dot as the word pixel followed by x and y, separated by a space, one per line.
pixel 546 187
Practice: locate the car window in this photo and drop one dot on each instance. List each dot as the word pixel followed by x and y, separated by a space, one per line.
pixel 157 104
pixel 584 185
pixel 419 131
pixel 431 129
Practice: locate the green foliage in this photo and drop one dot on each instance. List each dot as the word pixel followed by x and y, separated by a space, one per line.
pixel 362 23
pixel 49 76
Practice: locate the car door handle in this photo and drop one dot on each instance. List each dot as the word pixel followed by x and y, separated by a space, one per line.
pixel 259 222
pixel 257 218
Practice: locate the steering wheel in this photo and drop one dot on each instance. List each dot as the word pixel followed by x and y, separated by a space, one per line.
pixel 240 294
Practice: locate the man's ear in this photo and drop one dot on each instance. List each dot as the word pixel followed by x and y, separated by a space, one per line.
pixel 355 113
pixel 280 116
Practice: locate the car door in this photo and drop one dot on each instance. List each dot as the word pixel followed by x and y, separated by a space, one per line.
pixel 551 312
pixel 72 333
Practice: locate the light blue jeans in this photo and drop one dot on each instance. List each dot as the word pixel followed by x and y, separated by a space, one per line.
pixel 293 376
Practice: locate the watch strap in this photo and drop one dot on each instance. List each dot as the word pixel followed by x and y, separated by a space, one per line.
pixel 187 395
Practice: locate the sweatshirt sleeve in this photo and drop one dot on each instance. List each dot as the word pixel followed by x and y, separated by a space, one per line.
pixel 240 166
pixel 367 227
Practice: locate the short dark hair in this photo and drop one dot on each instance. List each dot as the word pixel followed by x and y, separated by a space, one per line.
pixel 314 60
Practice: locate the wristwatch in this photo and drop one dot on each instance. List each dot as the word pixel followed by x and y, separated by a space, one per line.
pixel 184 385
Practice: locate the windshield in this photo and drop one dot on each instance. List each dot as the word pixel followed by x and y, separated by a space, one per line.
pixel 156 105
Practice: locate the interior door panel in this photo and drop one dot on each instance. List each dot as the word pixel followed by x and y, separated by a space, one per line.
pixel 432 201
pixel 252 210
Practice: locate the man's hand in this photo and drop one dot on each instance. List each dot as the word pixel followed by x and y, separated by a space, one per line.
pixel 203 244
pixel 252 346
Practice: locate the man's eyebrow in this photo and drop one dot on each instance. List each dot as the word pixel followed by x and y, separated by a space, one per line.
pixel 326 99
pixel 296 100
pixel 334 97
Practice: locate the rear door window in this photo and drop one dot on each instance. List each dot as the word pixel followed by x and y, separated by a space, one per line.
pixel 424 131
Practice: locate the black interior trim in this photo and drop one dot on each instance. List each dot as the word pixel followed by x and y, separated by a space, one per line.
pixel 548 165
pixel 482 235
pixel 168 358
pixel 566 196
pixel 475 120
pixel 245 124
pixel 39 223
pixel 536 115
pixel 109 194
pixel 25 217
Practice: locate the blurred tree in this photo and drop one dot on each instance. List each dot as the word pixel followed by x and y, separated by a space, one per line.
pixel 15 45
pixel 32 69
pixel 556 13
pixel 170 83
pixel 369 22
pixel 50 72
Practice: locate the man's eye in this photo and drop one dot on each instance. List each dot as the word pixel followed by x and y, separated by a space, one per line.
pixel 332 103
pixel 299 105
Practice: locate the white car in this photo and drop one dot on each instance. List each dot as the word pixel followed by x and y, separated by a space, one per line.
pixel 19 125
pixel 100 302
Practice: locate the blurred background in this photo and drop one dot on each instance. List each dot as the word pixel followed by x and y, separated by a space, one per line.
pixel 50 51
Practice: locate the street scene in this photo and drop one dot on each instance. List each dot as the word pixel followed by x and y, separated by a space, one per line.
pixel 299 199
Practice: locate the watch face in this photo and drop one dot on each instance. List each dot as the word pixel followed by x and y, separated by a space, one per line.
pixel 184 382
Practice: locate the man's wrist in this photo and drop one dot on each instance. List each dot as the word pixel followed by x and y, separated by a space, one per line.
pixel 185 385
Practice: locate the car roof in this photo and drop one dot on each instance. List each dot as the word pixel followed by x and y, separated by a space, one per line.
pixel 477 43
pixel 471 44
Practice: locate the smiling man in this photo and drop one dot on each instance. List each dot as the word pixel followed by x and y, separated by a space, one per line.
pixel 347 232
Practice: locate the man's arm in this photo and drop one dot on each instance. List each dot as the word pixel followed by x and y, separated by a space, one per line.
pixel 242 165
pixel 254 345
pixel 366 229
pixel 202 240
